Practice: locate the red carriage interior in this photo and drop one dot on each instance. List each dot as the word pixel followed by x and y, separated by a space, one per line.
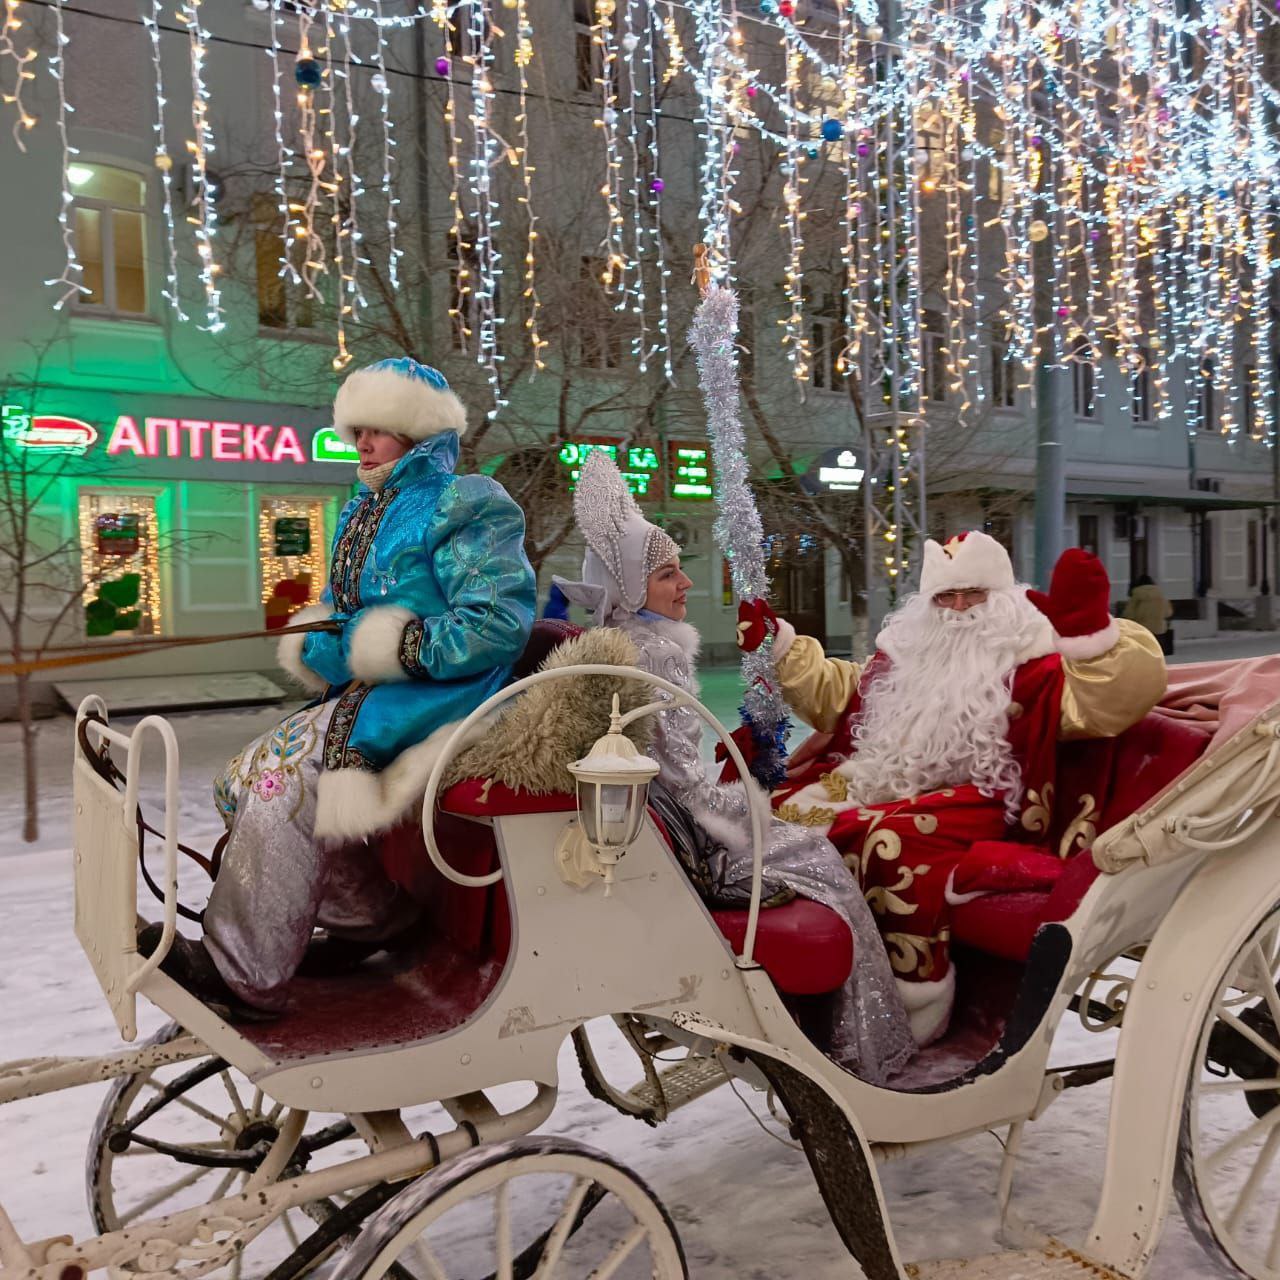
pixel 805 948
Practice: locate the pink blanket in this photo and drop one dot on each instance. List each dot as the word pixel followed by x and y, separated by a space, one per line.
pixel 1222 696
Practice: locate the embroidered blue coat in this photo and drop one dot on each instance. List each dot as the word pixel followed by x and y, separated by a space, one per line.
pixel 441 559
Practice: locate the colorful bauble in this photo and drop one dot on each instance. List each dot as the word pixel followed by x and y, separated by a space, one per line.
pixel 378 82
pixel 657 186
pixel 875 34
pixel 768 7
pixel 1038 231
pixel 307 72
pixel 787 8
pixel 442 66
pixel 832 130
pixel 163 161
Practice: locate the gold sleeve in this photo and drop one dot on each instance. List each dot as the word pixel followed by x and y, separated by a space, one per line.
pixel 817 688
pixel 1104 696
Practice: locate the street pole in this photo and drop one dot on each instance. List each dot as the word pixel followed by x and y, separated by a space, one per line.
pixel 1051 462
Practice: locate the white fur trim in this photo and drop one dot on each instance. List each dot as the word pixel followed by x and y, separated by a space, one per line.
pixel 928 1005
pixel 353 804
pixel 783 640
pixel 1082 648
pixel 385 400
pixel 289 649
pixel 1044 643
pixel 684 634
pixel 722 827
pixel 374 654
pixel 978 563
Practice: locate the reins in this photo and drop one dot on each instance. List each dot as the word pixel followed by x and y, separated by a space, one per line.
pixel 81 654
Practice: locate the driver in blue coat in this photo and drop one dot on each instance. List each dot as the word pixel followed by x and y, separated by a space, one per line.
pixel 432 599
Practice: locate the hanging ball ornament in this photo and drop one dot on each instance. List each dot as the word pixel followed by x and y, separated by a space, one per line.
pixel 787 8
pixel 442 66
pixel 163 161
pixel 656 186
pixel 812 152
pixel 306 71
pixel 1038 231
pixel 875 33
pixel 378 82
pixel 768 7
pixel 630 41
pixel 832 130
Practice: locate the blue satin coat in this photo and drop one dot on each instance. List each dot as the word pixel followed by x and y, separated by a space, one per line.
pixel 450 549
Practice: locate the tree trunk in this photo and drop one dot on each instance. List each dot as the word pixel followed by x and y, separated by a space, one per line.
pixel 31 794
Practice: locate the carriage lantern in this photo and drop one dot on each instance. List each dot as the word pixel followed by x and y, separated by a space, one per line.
pixel 613 784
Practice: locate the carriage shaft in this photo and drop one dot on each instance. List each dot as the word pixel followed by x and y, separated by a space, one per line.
pixel 31 1077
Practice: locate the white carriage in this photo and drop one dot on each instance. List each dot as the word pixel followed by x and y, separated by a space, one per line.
pixel 1182 894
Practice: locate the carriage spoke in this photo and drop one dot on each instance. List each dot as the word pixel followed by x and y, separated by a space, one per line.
pixel 428 1259
pixel 256 1105
pixel 289 1229
pixel 502 1232
pixel 1242 1139
pixel 560 1232
pixel 1240 1086
pixel 237 1265
pixel 225 1077
pixel 221 1189
pixel 163 1194
pixel 203 1112
pixel 619 1253
pixel 1240 1210
pixel 1244 1029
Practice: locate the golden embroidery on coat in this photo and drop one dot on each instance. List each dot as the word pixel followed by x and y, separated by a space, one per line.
pixel 817 817
pixel 836 786
pixel 1038 813
pixel 910 953
pixel 1083 829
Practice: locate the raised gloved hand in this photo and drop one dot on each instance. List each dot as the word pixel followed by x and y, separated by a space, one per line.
pixel 746 743
pixel 756 621
pixel 1078 604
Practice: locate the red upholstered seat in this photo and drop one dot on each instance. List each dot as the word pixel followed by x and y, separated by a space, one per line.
pixel 480 798
pixel 803 946
pixel 1118 776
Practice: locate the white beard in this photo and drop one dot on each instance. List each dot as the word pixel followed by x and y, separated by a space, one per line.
pixel 939 717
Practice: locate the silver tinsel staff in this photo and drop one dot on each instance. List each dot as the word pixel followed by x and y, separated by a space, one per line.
pixel 738 531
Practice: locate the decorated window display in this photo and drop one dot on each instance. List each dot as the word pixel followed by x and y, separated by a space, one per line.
pixel 291 539
pixel 119 563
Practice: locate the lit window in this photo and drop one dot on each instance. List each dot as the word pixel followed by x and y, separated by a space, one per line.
pixel 826 346
pixel 586 51
pixel 108 215
pixel 933 358
pixel 119 563
pixel 464 42
pixel 1084 374
pixel 283 303
pixel 1140 389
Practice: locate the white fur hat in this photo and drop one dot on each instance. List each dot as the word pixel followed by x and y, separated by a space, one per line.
pixel 399 396
pixel 969 560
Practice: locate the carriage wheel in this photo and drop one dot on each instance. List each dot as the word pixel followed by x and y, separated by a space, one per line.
pixel 520 1209
pixel 210 1131
pixel 1228 1174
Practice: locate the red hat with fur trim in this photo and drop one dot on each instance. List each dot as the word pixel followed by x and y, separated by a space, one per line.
pixel 970 561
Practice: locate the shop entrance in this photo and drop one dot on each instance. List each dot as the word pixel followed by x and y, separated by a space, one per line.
pixel 291 545
pixel 119 563
pixel 796 567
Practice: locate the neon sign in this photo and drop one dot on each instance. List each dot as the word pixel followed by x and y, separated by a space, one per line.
pixel 328 446
pixel 198 438
pixel 844 475
pixel 48 433
pixel 639 468
pixel 690 471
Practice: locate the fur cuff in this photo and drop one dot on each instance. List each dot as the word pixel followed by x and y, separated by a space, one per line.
pixel 289 649
pixel 374 647
pixel 928 1005
pixel 1082 648
pixel 783 640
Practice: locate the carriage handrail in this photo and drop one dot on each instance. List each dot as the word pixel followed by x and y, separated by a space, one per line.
pixel 132 743
pixel 679 698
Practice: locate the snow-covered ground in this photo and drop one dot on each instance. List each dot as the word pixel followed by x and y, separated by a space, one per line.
pixel 744 1201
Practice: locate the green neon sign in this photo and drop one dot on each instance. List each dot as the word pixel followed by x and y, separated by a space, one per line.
pixel 46 433
pixel 639 468
pixel 328 446
pixel 691 472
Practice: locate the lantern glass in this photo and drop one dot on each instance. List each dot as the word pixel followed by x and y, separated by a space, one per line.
pixel 611 812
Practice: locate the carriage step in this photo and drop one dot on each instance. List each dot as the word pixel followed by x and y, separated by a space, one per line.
pixel 1052 1262
pixel 678 1084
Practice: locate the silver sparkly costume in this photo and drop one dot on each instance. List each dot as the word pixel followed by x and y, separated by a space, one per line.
pixel 267 798
pixel 870 1034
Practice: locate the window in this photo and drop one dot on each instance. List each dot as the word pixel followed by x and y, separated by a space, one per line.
pixel 933 357
pixel 597 327
pixel 1084 373
pixel 826 349
pixel 1206 398
pixel 1004 372
pixel 282 302
pixel 1087 534
pixel 463 44
pixel 1140 389
pixel 586 51
pixel 108 215
pixel 119 562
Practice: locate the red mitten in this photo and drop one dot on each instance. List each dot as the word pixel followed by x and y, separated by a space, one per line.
pixel 1079 605
pixel 1003 866
pixel 755 621
pixel 745 743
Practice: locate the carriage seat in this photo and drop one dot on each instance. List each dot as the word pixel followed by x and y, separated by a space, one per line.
pixel 804 947
pixel 1109 778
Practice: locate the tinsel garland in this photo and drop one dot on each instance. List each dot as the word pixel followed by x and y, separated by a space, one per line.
pixel 738 531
